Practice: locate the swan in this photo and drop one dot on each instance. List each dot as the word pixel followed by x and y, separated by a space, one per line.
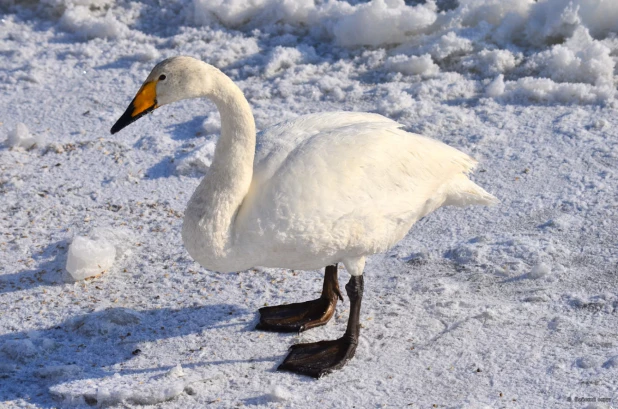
pixel 308 193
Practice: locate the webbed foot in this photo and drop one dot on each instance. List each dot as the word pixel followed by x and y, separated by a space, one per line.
pixel 319 358
pixel 305 315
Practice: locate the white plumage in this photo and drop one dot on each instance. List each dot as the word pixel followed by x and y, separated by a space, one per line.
pixel 317 190
pixel 314 191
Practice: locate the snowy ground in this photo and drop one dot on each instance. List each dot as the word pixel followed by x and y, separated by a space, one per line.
pixel 511 306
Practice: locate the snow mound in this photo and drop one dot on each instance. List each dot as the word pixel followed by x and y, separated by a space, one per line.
pixel 512 254
pixel 82 22
pixel 20 137
pixel 279 394
pixel 413 65
pixel 539 271
pixel 20 350
pixel 25 350
pixel 106 322
pixel 57 371
pixel 579 59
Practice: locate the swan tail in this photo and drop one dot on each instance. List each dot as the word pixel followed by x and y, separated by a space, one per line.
pixel 462 192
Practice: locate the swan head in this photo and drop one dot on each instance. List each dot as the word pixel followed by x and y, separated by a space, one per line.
pixel 169 81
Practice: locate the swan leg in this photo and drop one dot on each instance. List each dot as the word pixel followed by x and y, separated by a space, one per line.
pixel 305 315
pixel 320 358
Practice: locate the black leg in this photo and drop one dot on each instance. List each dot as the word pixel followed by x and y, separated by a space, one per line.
pixel 305 315
pixel 319 358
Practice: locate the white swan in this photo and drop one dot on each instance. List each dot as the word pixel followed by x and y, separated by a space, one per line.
pixel 308 193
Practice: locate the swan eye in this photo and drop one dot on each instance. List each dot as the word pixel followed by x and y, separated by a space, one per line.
pixel 162 77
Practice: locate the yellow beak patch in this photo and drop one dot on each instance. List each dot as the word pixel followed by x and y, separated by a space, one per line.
pixel 145 98
pixel 144 102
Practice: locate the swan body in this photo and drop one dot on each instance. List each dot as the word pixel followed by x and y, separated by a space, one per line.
pixel 307 193
pixel 333 187
pixel 319 189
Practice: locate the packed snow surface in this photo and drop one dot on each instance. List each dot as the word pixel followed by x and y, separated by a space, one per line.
pixel 511 306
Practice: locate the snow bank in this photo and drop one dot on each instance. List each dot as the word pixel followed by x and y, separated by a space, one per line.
pixel 566 41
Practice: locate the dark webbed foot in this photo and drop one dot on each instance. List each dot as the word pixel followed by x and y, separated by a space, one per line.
pixel 319 358
pixel 305 315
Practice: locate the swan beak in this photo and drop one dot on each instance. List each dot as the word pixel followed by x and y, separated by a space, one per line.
pixel 145 101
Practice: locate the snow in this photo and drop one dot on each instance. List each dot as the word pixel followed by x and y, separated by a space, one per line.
pixel 525 292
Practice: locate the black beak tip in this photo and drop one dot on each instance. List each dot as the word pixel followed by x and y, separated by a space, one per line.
pixel 127 118
pixel 124 120
pixel 115 128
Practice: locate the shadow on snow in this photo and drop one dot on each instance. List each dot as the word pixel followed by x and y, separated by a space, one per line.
pixel 85 346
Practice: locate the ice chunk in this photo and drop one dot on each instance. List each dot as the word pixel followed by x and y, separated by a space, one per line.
pixel 212 124
pixel 20 137
pixel 382 22
pixel 136 389
pixel 89 258
pixel 422 65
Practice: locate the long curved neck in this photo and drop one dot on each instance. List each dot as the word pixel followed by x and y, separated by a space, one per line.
pixel 218 197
